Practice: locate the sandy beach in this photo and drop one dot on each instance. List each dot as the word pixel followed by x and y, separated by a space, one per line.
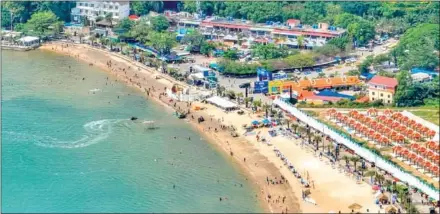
pixel 332 189
pixel 255 166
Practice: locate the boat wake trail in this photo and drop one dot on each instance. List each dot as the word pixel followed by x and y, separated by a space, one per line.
pixel 96 131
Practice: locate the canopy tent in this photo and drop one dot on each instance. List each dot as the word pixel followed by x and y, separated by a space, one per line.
pixel 222 103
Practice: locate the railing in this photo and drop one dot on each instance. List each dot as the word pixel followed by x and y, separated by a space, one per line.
pixel 368 155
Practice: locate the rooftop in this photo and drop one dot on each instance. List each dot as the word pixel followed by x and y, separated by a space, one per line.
pixel 385 81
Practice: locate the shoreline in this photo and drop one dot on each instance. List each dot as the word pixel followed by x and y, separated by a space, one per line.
pixel 242 153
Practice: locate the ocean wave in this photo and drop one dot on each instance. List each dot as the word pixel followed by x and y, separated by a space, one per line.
pixel 96 131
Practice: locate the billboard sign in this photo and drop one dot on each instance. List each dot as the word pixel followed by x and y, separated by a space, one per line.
pixel 261 87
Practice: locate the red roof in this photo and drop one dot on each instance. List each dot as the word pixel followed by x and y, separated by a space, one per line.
pixel 305 32
pixel 133 17
pixel 292 21
pixel 385 81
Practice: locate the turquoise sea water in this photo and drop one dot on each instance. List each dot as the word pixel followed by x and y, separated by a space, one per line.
pixel 67 149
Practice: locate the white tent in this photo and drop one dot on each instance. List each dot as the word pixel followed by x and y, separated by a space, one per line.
pixel 222 103
pixel 29 41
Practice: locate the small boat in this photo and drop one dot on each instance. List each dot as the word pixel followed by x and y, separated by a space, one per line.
pixel 133 118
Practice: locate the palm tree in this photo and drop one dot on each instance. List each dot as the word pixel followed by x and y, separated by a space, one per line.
pixel 239 96
pixel 317 139
pixel 355 160
pixel 266 108
pixel 246 101
pixel 347 159
pixel 287 122
pixel 80 35
pixel 302 130
pixel 380 178
pixel 370 173
pixel 294 127
pixel 309 134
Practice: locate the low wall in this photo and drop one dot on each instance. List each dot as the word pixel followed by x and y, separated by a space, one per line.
pixel 361 151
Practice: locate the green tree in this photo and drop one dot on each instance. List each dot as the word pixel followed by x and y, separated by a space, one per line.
pixel 43 24
pixel 207 48
pixel 231 54
pixel 355 160
pixel 195 40
pixel 139 31
pixel 159 23
pixel 269 51
pixel 144 7
pixel 124 26
pixel 362 31
pixel 417 47
pixel 163 42
pixel 300 60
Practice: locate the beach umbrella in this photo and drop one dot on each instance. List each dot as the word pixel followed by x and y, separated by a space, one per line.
pixel 405 119
pixel 375 187
pixel 435 169
pixel 381 118
pixel 395 124
pixel 429 154
pixel 255 122
pixel 421 150
pixel 416 136
pixel 414 146
pixel 420 161
pixel 388 112
pixel 397 115
pixel 397 148
pixel 427 164
pixel 431 133
pixel 411 123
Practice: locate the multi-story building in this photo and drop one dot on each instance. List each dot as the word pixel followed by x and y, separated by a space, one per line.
pixel 382 88
pixel 234 30
pixel 94 9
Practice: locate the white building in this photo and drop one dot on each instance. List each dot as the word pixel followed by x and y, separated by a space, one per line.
pixel 94 9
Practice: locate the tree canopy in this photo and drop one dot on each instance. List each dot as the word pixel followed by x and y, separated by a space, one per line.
pixel 144 7
pixel 162 41
pixel 194 39
pixel 418 46
pixel 269 51
pixel 159 23
pixel 43 24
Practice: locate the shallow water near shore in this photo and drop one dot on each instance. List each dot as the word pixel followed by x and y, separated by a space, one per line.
pixel 68 145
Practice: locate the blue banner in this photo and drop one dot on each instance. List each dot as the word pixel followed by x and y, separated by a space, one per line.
pixel 261 87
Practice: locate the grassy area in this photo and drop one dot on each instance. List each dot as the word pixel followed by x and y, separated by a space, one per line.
pixel 428 114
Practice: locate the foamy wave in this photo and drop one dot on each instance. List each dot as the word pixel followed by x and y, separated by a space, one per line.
pixel 96 131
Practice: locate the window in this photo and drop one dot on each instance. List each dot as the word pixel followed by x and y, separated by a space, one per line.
pixel 389 101
pixel 80 10
pixel 389 96
pixel 86 4
pixel 91 5
pixel 80 4
pixel 110 7
pixel 116 7
pixel 381 94
pixel 372 98
pixel 373 93
pixel 116 14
